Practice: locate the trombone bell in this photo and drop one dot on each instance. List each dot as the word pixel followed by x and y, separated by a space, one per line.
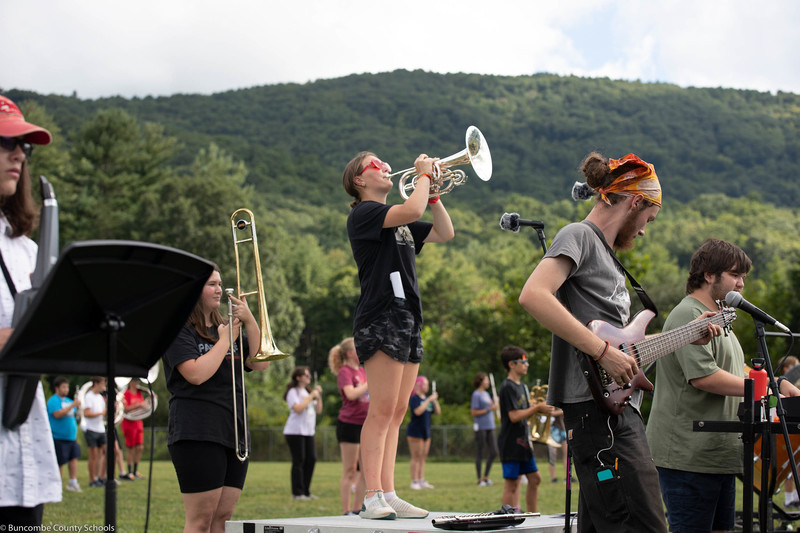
pixel 267 351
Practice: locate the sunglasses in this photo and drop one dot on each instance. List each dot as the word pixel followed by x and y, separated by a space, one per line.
pixel 521 361
pixel 11 143
pixel 377 164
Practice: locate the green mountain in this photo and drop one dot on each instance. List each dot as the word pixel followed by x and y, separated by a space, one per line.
pixel 295 139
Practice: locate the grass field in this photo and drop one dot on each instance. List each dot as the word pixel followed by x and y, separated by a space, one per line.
pixel 267 494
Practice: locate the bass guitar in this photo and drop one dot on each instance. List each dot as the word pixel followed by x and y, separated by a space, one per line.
pixel 614 398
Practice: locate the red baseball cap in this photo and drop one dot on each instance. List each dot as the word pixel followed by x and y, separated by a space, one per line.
pixel 12 124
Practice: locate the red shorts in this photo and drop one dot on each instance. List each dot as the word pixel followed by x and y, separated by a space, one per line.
pixel 133 431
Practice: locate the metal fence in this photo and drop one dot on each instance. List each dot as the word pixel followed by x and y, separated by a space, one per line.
pixel 448 443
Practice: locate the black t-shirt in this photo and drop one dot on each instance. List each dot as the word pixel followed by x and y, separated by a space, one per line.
pixel 378 252
pixel 202 412
pixel 513 438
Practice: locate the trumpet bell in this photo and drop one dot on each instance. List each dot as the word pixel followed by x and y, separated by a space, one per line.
pixel 476 154
pixel 139 412
pixel 444 180
pixel 152 375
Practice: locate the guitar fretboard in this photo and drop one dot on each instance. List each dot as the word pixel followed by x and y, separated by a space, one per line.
pixel 653 348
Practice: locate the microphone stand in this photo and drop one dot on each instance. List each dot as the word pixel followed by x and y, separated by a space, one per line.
pixel 765 500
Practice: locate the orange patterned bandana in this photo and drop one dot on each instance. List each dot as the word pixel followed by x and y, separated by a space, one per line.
pixel 640 180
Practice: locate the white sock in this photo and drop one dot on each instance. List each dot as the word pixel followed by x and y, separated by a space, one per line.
pixel 368 499
pixel 73 481
pixel 389 496
pixel 791 496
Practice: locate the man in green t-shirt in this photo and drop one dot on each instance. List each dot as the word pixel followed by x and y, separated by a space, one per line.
pixel 697 469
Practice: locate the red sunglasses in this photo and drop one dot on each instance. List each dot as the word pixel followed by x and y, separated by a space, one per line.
pixel 377 164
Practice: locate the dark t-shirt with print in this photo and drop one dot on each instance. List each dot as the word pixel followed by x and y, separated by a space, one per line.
pixel 378 252
pixel 513 437
pixel 202 412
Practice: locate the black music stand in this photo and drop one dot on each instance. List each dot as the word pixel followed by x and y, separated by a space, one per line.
pixel 107 308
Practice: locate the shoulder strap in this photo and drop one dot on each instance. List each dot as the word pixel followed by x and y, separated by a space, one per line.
pixel 643 297
pixel 7 274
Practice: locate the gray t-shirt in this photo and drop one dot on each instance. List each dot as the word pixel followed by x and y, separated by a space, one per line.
pixel 595 289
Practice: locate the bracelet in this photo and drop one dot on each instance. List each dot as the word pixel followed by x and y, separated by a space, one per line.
pixel 605 350
pixel 433 200
pixel 425 174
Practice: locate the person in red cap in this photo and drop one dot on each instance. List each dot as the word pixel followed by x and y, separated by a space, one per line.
pixel 29 477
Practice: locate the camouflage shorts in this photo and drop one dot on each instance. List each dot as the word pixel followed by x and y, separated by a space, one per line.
pixel 395 332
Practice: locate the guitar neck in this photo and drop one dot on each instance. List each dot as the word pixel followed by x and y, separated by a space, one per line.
pixel 651 349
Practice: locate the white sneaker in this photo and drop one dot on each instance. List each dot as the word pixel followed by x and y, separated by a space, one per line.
pixel 406 510
pixel 489 483
pixel 425 485
pixel 73 488
pixel 377 509
pixel 415 486
pixel 482 483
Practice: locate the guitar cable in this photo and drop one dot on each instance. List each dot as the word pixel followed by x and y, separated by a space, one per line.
pixel 611 431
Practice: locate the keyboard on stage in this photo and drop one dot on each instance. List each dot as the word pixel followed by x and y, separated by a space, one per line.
pixel 481 521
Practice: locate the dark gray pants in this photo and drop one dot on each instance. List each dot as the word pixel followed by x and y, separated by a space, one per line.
pixel 620 490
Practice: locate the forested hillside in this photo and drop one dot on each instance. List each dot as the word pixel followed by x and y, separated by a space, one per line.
pixel 171 170
pixel 295 139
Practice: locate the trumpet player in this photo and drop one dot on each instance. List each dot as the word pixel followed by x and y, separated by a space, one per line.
pixel 385 240
pixel 202 438
pixel 516 452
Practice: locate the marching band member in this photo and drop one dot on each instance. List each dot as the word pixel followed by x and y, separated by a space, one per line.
pixel 351 379
pixel 201 428
pixel 305 404
pixel 388 317
pixel 483 409
pixel 29 476
pixel 418 432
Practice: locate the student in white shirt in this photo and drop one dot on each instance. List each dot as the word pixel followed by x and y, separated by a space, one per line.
pixel 29 475
pixel 304 404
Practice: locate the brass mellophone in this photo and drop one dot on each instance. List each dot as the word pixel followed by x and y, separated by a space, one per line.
pixel 445 180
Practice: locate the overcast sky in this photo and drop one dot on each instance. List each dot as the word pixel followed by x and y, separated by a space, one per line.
pixel 103 48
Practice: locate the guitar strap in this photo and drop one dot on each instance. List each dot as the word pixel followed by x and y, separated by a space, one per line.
pixel 643 297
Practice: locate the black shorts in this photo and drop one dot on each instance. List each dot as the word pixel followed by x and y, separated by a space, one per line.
pixel 395 332
pixel 94 439
pixel 202 466
pixel 66 450
pixel 346 432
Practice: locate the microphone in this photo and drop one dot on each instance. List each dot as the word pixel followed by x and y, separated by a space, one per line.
pixel 511 221
pixel 734 299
